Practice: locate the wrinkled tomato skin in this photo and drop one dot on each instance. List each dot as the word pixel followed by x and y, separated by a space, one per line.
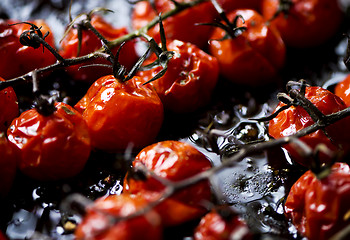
pixel 183 26
pixel 91 43
pixel 342 90
pixel 294 119
pixel 17 59
pixel 51 147
pixel 214 227
pixel 309 23
pixel 119 114
pixel 95 225
pixel 319 208
pixel 230 5
pixel 252 58
pixel 174 161
pixel 8 165
pixel 189 80
pixel 8 107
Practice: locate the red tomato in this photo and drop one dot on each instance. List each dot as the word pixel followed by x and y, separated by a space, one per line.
pixel 294 119
pixel 8 107
pixel 2 237
pixel 182 26
pixel 97 224
pixel 252 58
pixel 308 22
pixel 190 78
pixel 342 90
pixel 8 165
pixel 51 147
pixel 17 59
pixel 319 207
pixel 214 227
pixel 174 161
pixel 90 43
pixel 119 114
pixel 230 5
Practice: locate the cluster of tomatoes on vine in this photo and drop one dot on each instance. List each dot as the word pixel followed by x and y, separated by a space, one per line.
pixel 121 109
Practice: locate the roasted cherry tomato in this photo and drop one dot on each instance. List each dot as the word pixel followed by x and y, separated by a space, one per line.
pixel 294 119
pixel 8 107
pixel 17 59
pixel 8 165
pixel 119 114
pixel 174 161
pixel 182 26
pixel 307 23
pixel 342 90
pixel 252 58
pixel 98 223
pixel 90 43
pixel 189 80
pixel 319 207
pixel 221 226
pixel 230 5
pixel 51 147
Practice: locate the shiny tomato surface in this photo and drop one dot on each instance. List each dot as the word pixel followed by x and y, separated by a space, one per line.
pixel 91 43
pixel 342 90
pixel 174 161
pixel 8 107
pixel 296 118
pixel 98 222
pixel 182 26
pixel 213 226
pixel 8 165
pixel 308 23
pixel 17 59
pixel 189 80
pixel 51 147
pixel 252 58
pixel 121 114
pixel 319 208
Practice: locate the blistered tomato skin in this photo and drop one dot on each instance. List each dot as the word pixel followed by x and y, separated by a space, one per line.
pixel 121 114
pixel 91 43
pixel 342 90
pixel 8 107
pixel 189 81
pixel 51 147
pixel 319 207
pixel 183 26
pixel 17 59
pixel 294 119
pixel 8 165
pixel 308 23
pixel 214 227
pixel 174 161
pixel 252 58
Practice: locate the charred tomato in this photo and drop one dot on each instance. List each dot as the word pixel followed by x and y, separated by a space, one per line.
pixel 8 107
pixel 190 78
pixel 252 58
pixel 51 147
pixel 121 114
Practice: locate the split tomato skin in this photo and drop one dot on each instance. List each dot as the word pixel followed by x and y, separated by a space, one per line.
pixel 8 165
pixel 214 227
pixel 91 43
pixel 342 89
pixel 51 147
pixel 319 207
pixel 174 161
pixel 8 107
pixel 189 80
pixel 296 118
pixel 96 224
pixel 17 59
pixel 252 58
pixel 121 113
pixel 309 23
pixel 183 26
